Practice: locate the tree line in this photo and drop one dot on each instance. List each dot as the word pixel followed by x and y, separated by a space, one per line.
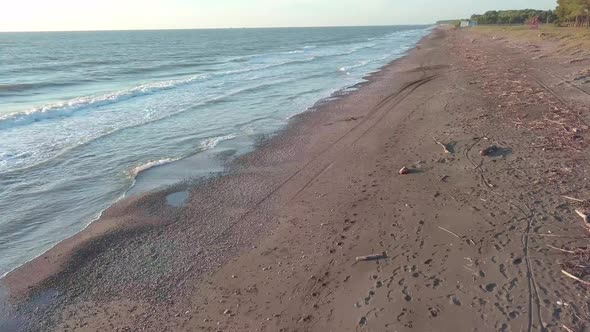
pixel 515 16
pixel 573 13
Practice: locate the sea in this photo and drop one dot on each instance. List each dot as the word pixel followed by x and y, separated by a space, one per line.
pixel 88 118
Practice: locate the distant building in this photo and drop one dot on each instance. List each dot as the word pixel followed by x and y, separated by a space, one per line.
pixel 468 24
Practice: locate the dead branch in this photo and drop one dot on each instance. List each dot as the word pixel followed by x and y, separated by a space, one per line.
pixel 562 250
pixel 444 146
pixel 446 230
pixel 569 275
pixel 584 216
pixel 566 328
pixel 573 199
pixel 371 257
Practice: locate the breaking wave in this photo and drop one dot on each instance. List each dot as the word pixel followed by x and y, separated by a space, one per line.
pixel 150 164
pixel 67 108
pixel 212 142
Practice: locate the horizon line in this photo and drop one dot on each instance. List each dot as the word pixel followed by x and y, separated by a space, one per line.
pixel 222 28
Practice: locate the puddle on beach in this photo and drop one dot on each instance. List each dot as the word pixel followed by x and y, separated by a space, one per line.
pixel 177 199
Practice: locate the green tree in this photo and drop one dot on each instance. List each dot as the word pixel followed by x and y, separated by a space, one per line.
pixel 513 16
pixel 573 12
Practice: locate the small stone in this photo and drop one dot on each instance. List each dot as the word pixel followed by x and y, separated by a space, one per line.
pixel 490 287
pixel 227 312
pixel 404 171
pixel 489 150
pixel 363 321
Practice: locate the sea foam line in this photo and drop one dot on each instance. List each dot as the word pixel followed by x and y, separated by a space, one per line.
pixel 206 144
pixel 68 107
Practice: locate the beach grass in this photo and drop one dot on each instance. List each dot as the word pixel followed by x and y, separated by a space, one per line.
pixel 568 41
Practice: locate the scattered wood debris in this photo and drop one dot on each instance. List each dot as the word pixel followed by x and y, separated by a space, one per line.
pixel 575 266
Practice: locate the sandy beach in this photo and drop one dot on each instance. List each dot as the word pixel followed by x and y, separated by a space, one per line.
pixel 473 238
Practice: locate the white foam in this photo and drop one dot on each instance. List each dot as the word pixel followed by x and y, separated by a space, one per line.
pixel 212 142
pixel 68 107
pixel 150 164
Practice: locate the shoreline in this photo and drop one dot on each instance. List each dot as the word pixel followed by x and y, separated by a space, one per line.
pixel 272 244
pixel 98 158
pixel 170 188
pixel 132 190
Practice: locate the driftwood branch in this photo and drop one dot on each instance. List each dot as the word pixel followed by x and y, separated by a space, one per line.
pixel 584 216
pixel 566 328
pixel 562 250
pixel 446 230
pixel 371 257
pixel 573 199
pixel 444 146
pixel 569 275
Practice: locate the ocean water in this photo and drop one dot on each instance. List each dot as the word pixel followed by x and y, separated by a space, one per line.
pixel 84 116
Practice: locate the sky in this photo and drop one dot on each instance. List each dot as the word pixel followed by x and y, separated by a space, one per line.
pixel 65 15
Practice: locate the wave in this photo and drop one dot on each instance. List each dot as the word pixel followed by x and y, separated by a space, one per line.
pixel 67 108
pixel 22 87
pixel 5 169
pixel 212 142
pixel 359 64
pixel 150 164
pixel 206 144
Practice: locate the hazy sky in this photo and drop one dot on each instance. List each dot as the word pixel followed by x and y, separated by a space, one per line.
pixel 27 15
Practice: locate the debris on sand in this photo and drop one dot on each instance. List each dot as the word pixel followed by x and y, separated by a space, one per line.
pixel 404 171
pixel 575 266
pixel 584 216
pixel 444 146
pixel 371 257
pixel 569 275
pixel 488 151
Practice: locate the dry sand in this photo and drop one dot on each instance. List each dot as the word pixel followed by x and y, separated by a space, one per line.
pixel 470 240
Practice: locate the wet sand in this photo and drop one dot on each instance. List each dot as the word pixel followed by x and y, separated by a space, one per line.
pixel 272 245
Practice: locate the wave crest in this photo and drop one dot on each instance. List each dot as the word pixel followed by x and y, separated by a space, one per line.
pixel 68 107
pixel 212 142
pixel 150 164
